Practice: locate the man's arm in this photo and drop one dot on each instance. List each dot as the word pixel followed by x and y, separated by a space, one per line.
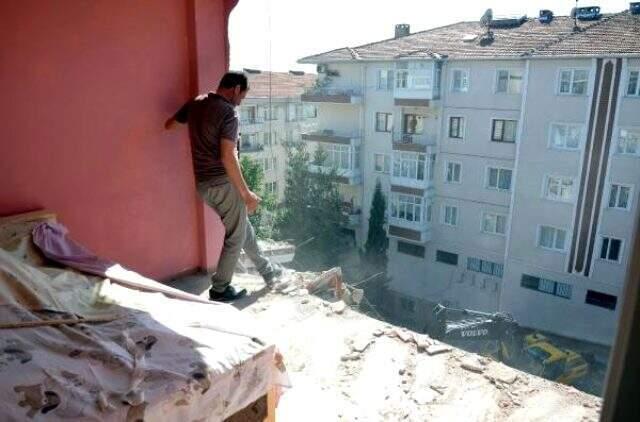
pixel 232 167
pixel 181 116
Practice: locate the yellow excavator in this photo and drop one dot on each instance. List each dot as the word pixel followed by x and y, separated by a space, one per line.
pixel 497 335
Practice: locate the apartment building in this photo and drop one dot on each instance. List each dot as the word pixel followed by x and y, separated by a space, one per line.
pixel 510 155
pixel 271 116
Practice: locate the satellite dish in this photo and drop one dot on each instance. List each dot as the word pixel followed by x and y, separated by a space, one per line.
pixel 485 20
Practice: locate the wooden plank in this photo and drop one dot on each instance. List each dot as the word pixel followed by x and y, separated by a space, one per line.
pixel 53 322
pixel 272 396
pixel 28 217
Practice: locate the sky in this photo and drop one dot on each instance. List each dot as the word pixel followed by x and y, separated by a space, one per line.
pixel 274 34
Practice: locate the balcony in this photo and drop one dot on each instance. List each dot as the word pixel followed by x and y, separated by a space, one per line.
pixel 333 137
pixel 417 84
pixel 353 214
pixel 414 142
pixel 335 95
pixel 251 123
pixel 408 214
pixel 413 170
pixel 251 147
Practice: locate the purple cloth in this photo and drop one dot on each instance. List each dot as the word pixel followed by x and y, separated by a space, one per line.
pixel 53 241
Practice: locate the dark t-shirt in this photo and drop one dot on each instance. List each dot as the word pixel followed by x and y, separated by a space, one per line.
pixel 211 117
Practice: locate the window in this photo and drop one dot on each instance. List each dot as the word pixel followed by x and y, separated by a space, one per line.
pixel 266 138
pixel 558 188
pixel 310 111
pixel 509 81
pixel 409 165
pixel 340 157
pixel 499 178
pixel 544 285
pixel 429 212
pixel 620 196
pixel 432 165
pixel 601 299
pixel 412 124
pixel 402 77
pixel 452 172
pixel 385 79
pixel 381 163
pixel 485 267
pixel 384 122
pixel 504 130
pixel 629 142
pixel 459 80
pixel 407 305
pixel 450 215
pixel 410 249
pixel 611 249
pixel 494 223
pixel 269 163
pixel 406 207
pixel 447 257
pixel 552 238
pixel 565 136
pixel 248 115
pixel 633 84
pixel 271 188
pixel 573 81
pixel 456 127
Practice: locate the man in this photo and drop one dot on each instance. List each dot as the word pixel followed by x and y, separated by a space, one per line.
pixel 213 130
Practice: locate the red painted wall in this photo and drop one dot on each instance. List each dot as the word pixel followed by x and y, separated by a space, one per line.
pixel 85 89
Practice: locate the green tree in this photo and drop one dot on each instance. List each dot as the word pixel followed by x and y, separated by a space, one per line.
pixel 261 219
pixel 312 212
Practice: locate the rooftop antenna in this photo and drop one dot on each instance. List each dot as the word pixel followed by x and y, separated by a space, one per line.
pixel 575 18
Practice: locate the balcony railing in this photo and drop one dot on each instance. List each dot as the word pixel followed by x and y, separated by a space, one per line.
pixel 251 120
pixel 251 147
pixel 331 136
pixel 341 95
pixel 416 142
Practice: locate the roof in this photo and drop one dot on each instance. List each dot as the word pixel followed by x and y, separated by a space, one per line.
pixel 347 366
pixel 613 34
pixel 278 84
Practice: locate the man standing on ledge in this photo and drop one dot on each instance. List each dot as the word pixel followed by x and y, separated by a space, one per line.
pixel 213 130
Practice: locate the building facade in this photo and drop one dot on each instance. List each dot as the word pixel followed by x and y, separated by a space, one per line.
pixel 271 116
pixel 509 157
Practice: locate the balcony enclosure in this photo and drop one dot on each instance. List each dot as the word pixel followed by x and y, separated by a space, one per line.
pixel 413 169
pixel 409 214
pixel 343 159
pixel 417 82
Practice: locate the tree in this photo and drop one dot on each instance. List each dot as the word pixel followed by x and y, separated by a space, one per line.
pixel 312 211
pixel 374 256
pixel 261 220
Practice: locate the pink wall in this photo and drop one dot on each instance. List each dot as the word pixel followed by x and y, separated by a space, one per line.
pixel 85 88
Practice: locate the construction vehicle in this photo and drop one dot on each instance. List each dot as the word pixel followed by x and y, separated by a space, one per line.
pixel 498 335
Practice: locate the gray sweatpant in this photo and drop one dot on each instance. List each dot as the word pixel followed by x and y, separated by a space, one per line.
pixel 239 233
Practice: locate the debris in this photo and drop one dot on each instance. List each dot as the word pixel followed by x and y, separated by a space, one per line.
pixel 438 389
pixel 361 343
pixel 401 371
pixel 289 289
pixel 422 342
pixel 472 365
pixel 350 356
pixel 328 279
pixel 434 350
pixel 338 307
pixel 402 334
pixel 357 295
pixel 378 332
pixel 303 292
pixel 423 396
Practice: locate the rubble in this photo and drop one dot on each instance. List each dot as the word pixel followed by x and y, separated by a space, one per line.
pixel 437 349
pixel 338 307
pixel 472 364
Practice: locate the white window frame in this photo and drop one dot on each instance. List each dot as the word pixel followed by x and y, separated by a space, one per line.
pixel 496 215
pixel 487 175
pixel 465 72
pixel 462 127
pixel 567 126
pixel 572 81
pixel 397 79
pixel 620 252
pixel 555 238
pixel 443 218
pixel 446 172
pixel 398 201
pixel 619 141
pixel 390 83
pixel 405 161
pixel 386 163
pixel 629 200
pixel 388 122
pixel 503 120
pixel 636 94
pixel 546 193
pixel 510 72
pixel 334 151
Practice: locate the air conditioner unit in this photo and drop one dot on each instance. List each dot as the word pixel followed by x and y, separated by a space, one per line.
pixel 322 68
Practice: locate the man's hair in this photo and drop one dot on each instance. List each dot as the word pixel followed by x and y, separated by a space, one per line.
pixel 233 79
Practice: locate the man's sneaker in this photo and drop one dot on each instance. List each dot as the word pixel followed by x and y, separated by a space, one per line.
pixel 270 276
pixel 229 294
